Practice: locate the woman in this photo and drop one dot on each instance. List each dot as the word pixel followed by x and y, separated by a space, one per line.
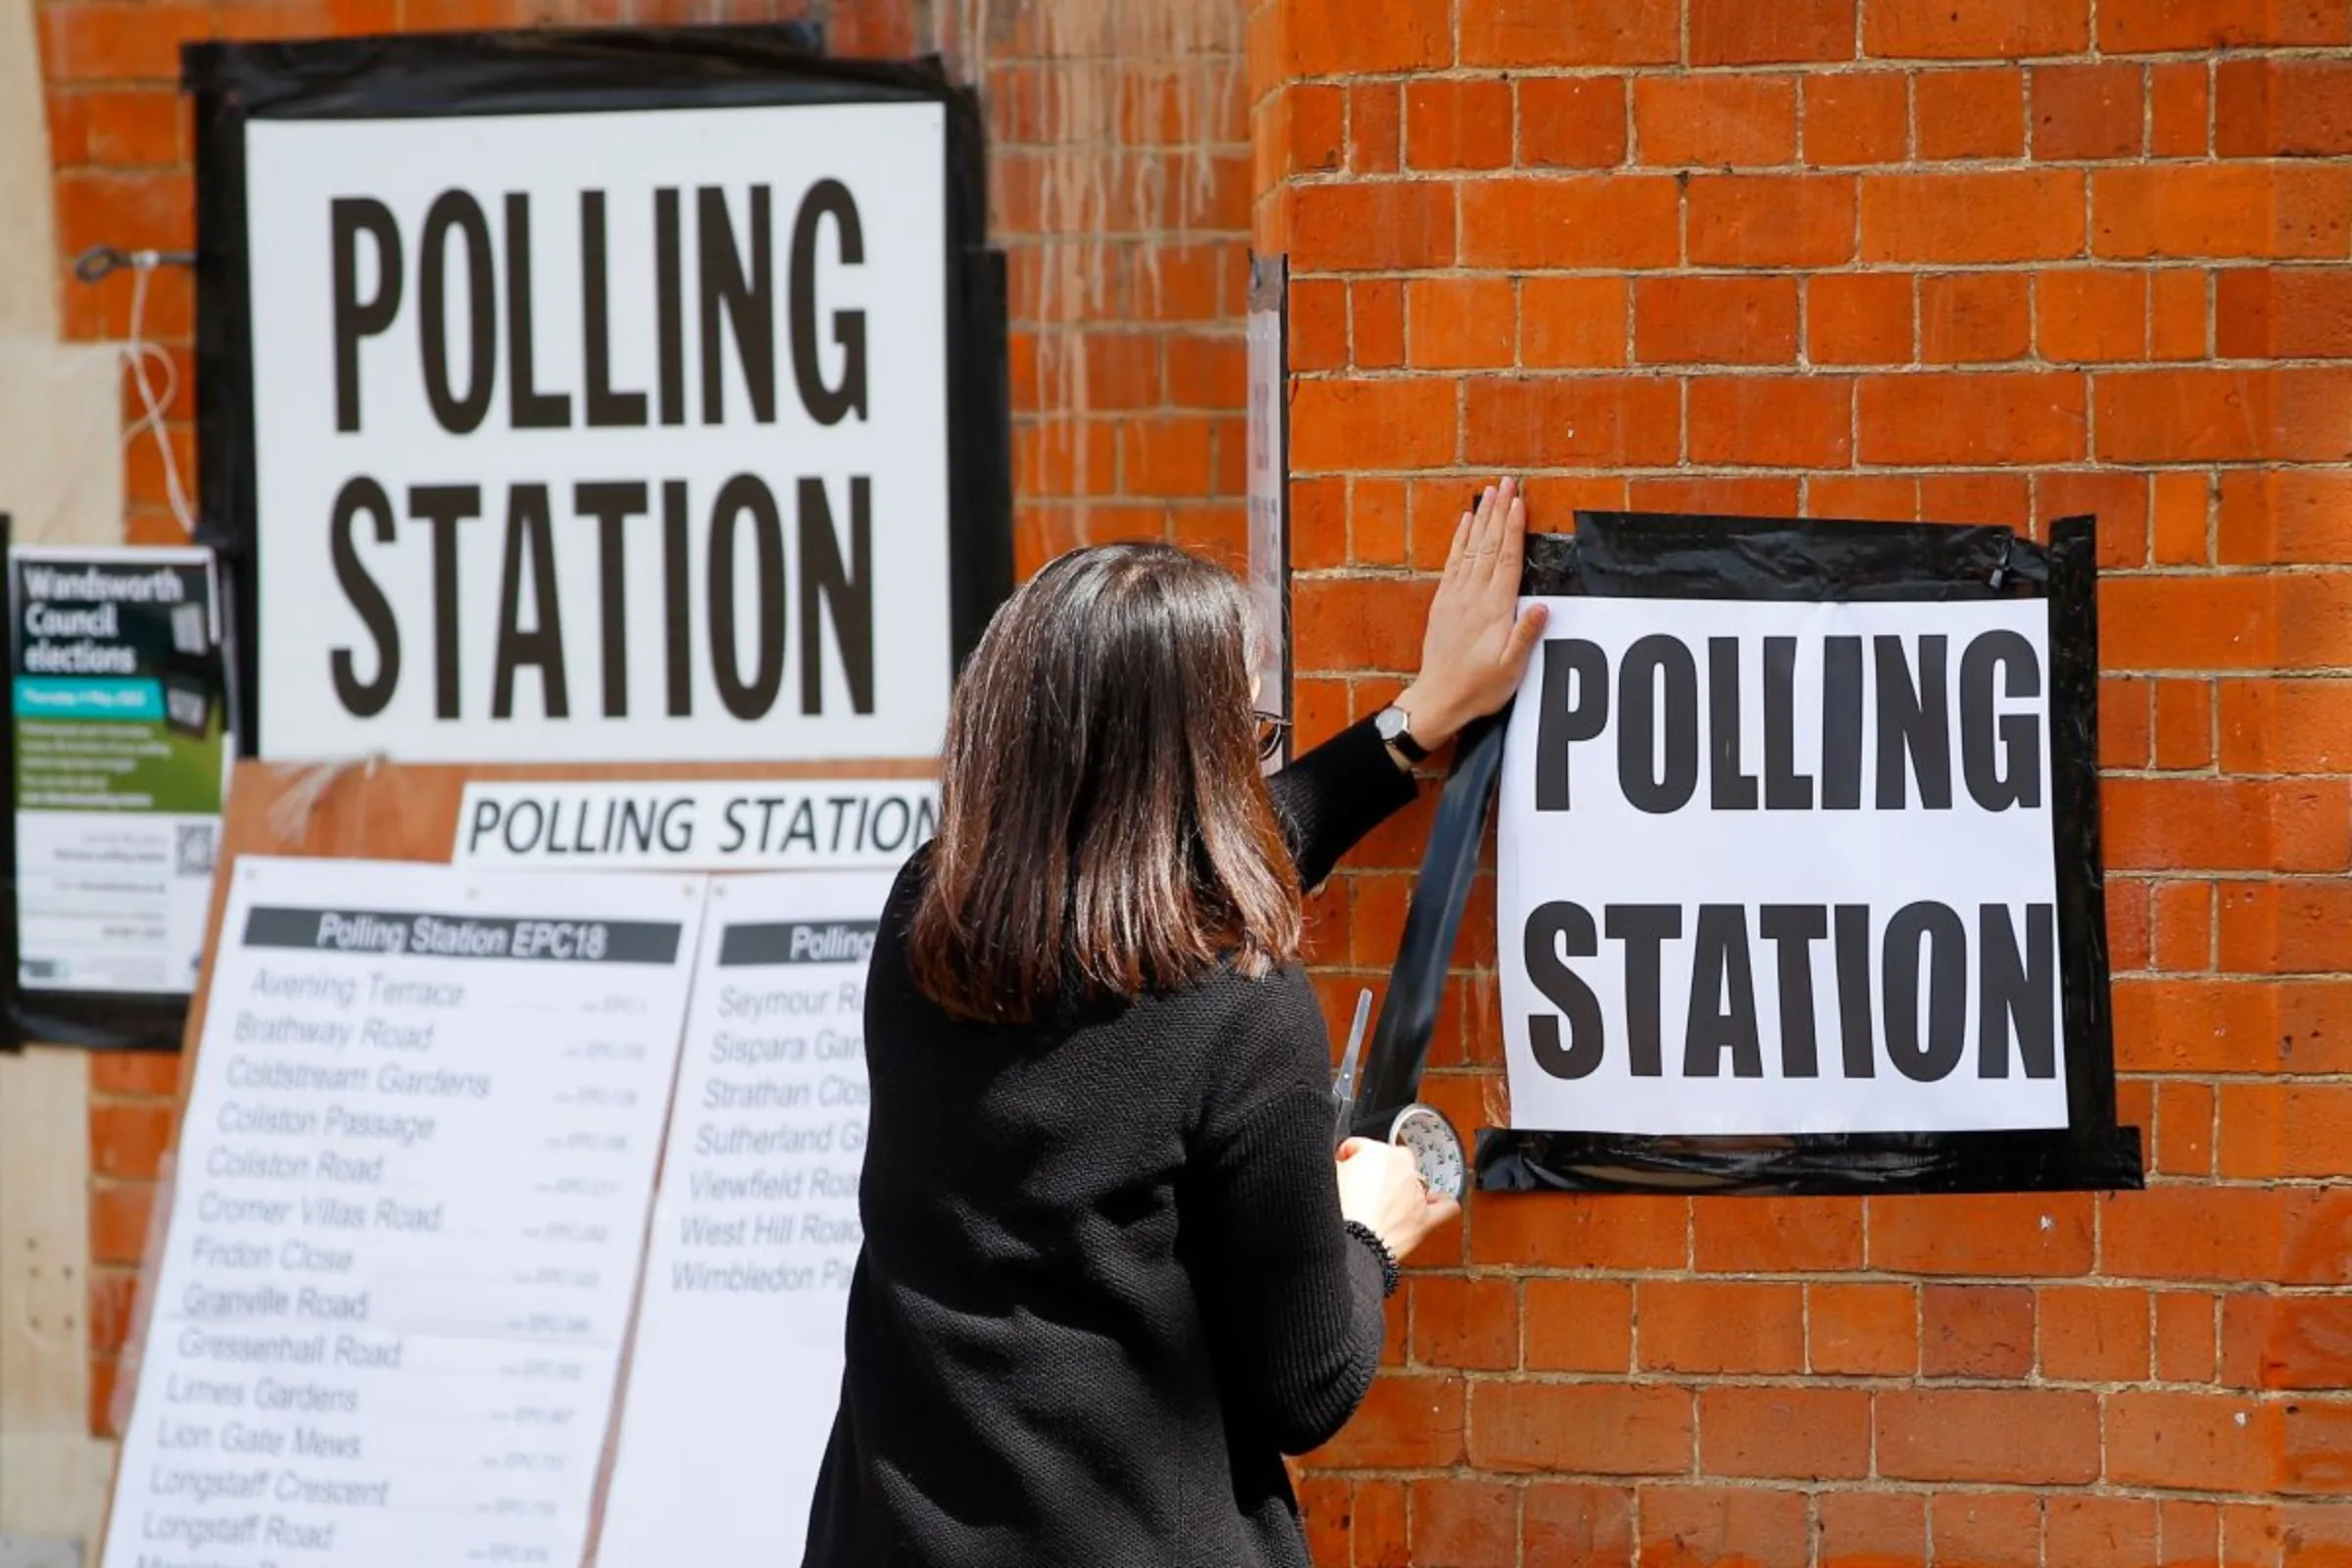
pixel 1112 1272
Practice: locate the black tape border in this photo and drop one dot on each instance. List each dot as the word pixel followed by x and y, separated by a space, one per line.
pixel 453 75
pixel 1683 555
pixel 95 1020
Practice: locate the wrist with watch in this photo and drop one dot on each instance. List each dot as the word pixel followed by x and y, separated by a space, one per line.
pixel 1395 727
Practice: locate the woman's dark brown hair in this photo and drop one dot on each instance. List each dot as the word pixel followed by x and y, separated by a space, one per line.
pixel 1104 830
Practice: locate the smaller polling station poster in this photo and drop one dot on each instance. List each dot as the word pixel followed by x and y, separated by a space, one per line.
pixel 120 753
pixel 1799 882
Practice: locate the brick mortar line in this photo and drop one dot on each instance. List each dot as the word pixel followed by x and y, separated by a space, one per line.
pixel 1698 1382
pixel 1876 1383
pixel 1863 65
pixel 1835 370
pixel 1912 167
pixel 1528 1478
pixel 2219 1291
pixel 2141 571
pixel 1314 177
pixel 1886 1275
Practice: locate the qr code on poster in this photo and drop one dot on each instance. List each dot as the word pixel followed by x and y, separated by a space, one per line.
pixel 195 847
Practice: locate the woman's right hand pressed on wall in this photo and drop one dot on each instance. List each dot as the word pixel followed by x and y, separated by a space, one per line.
pixel 1381 1189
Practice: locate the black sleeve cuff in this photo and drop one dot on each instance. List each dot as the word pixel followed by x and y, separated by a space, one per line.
pixel 1333 795
pixel 1371 1243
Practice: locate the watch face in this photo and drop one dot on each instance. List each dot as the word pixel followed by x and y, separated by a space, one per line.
pixel 1436 1148
pixel 1389 723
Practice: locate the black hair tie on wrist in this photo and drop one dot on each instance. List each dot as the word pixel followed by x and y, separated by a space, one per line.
pixel 1380 1250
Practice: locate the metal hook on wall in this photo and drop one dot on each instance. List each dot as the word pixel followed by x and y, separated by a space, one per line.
pixel 99 261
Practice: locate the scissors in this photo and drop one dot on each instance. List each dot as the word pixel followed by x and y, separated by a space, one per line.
pixel 1421 1130
pixel 1343 1088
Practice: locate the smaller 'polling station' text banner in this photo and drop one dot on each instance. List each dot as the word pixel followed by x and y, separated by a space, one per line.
pixel 831 824
pixel 1782 868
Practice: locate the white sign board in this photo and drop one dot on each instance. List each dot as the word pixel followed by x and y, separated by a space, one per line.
pixel 1270 479
pixel 738 1356
pixel 599 436
pixel 811 825
pixel 413 1180
pixel 1787 869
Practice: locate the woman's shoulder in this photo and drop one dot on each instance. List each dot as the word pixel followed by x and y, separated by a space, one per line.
pixel 1278 998
pixel 1254 1033
pixel 907 888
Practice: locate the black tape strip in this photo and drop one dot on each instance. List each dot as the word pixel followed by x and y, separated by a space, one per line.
pixel 225 470
pixel 573 71
pixel 533 70
pixel 2082 968
pixel 979 450
pixel 1398 1053
pixel 1689 557
pixel 1515 1160
pixel 1632 554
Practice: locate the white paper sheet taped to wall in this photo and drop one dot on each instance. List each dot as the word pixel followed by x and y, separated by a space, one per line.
pixel 737 1355
pixel 392 1295
pixel 1781 867
pixel 414 1175
pixel 587 436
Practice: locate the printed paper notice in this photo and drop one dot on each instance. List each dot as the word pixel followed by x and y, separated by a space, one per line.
pixel 122 759
pixel 737 1366
pixel 804 825
pixel 414 1177
pixel 1772 867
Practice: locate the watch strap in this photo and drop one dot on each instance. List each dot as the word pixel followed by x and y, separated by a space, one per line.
pixel 1411 750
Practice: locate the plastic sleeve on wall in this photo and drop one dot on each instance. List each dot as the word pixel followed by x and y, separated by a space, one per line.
pixel 1630 555
pixel 96 1020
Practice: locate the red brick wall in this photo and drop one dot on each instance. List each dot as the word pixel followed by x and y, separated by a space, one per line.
pixel 1959 260
pixel 1160 425
pixel 1835 255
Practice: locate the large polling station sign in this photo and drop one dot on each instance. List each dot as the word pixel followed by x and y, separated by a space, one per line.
pixel 1798 873
pixel 598 397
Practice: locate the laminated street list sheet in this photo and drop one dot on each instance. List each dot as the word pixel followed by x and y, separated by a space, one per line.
pixel 412 1191
pixel 736 1368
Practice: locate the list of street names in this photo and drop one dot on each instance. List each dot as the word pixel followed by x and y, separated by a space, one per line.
pixel 411 1182
pixel 738 1352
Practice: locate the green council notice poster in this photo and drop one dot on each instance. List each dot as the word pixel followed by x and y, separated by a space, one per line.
pixel 121 761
